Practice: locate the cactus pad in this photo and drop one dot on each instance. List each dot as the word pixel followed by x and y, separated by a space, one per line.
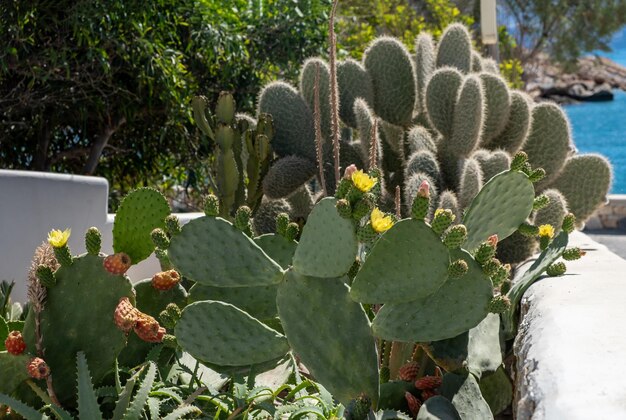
pixel 13 368
pixel 278 248
pixel 457 306
pixel 455 48
pixel 503 204
pixel 437 408
pixel 287 175
pixel 354 83
pixel 465 395
pixel 338 348
pixel 141 211
pixel 78 316
pixel 328 243
pixel 220 333
pixel 409 262
pixel 221 255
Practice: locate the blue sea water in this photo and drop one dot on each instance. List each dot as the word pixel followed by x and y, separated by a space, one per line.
pixel 600 127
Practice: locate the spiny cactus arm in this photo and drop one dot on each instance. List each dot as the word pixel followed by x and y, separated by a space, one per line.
pixel 514 134
pixel 222 255
pixel 265 218
pixel 467 124
pixel 549 141
pixel 199 105
pixel 420 139
pixel 411 188
pixel 307 90
pixel 471 182
pixel 393 77
pixel 455 48
pixel 426 162
pixel 437 317
pixel 554 212
pixel 345 361
pixel 477 62
pixel 504 203
pixel 222 334
pixel 140 212
pixel 293 120
pixel 424 65
pixel 286 175
pixel 492 162
pixel 354 83
pixel 228 173
pixel 366 120
pixel 585 182
pixel 497 106
pixel 328 243
pixel 419 268
pixel 441 95
pixel 545 259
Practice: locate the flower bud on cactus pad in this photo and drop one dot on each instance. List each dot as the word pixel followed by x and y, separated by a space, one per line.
pixel 15 343
pixel 165 280
pixel 292 231
pixel 454 236
pixel 408 372
pixel 413 403
pixel 167 320
pixel 485 252
pixel 519 160
pixel 362 207
pixel 347 173
pixel 359 408
pixel 125 315
pixel 159 238
pixel 428 382
pixel 46 276
pixel 170 341
pixel 569 222
pixel 528 230
pixel 442 220
pixel 537 175
pixel 174 311
pixel 117 264
pixel 458 269
pixel 573 254
pixel 499 304
pixel 540 202
pixel 282 220
pixel 501 275
pixel 242 220
pixel 211 205
pixel 491 267
pixel 38 368
pixel 63 255
pixel 172 225
pixel 148 329
pixel 93 241
pixel 384 374
pixel 343 188
pixel 344 209
pixel 556 269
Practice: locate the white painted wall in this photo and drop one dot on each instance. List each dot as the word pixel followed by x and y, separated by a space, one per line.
pixel 33 203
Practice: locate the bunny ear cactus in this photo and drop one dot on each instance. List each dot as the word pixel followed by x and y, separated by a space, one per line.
pixel 455 48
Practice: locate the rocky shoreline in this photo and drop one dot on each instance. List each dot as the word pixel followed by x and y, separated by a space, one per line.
pixel 593 80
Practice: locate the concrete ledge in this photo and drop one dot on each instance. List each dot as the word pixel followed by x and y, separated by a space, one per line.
pixel 571 341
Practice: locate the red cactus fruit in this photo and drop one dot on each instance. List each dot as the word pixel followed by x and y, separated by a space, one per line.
pixel 428 393
pixel 428 382
pixel 15 343
pixel 117 263
pixel 413 403
pixel 408 372
pixel 125 315
pixel 38 368
pixel 165 280
pixel 148 329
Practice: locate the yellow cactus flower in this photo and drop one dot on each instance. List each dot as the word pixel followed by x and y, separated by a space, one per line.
pixel 363 181
pixel 380 222
pixel 58 238
pixel 546 231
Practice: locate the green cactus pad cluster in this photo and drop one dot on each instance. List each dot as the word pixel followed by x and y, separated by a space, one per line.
pixel 140 212
pixel 223 343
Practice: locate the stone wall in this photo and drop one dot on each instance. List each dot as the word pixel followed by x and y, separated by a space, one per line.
pixel 611 216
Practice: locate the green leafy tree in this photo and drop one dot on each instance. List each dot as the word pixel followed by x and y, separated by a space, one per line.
pixel 104 86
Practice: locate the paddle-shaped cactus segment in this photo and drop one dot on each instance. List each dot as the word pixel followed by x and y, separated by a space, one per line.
pixel 497 390
pixel 449 354
pixel 503 204
pixel 220 333
pixel 408 263
pixel 260 301
pixel 465 395
pixel 278 248
pixel 437 408
pixel 328 243
pixel 141 211
pixel 150 301
pixel 457 306
pixel 545 259
pixel 484 347
pixel 13 368
pixel 211 251
pixel 78 316
pixel 338 347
